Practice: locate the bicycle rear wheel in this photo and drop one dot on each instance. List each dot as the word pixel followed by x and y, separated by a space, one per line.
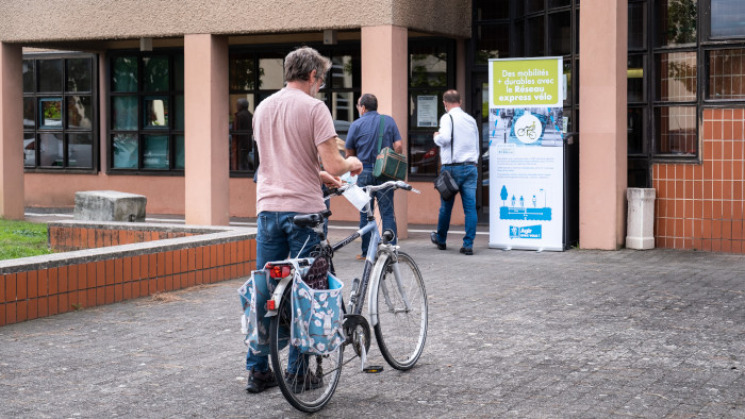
pixel 306 381
pixel 401 307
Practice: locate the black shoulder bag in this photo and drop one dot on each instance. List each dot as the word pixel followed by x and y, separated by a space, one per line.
pixel 444 182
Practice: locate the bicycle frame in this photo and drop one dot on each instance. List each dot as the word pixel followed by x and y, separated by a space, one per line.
pixel 370 258
pixel 374 248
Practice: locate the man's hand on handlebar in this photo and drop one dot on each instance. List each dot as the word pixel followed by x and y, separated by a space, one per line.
pixel 330 180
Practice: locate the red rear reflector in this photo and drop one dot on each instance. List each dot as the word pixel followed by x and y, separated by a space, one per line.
pixel 279 271
pixel 270 305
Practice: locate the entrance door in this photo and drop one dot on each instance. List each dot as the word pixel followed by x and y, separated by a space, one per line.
pixel 480 111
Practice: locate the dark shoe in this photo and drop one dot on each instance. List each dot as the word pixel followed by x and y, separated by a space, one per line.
pixel 260 381
pixel 433 237
pixel 466 250
pixel 300 383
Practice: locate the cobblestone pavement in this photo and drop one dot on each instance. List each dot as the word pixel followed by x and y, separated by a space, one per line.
pixel 575 334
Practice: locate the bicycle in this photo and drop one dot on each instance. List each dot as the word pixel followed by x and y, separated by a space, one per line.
pixel 397 309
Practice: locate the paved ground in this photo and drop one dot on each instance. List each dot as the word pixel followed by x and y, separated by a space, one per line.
pixel 576 334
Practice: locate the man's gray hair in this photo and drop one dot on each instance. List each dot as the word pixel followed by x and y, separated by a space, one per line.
pixel 301 62
pixel 369 101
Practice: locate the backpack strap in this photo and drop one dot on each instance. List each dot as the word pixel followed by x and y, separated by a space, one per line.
pixel 380 134
pixel 452 137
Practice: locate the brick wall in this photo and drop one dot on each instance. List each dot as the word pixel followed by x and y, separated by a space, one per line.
pixel 65 238
pixel 140 261
pixel 700 206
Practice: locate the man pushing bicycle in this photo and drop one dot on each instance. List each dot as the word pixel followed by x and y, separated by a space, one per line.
pixel 292 129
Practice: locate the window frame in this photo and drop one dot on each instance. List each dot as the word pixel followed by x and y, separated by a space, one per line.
pixel 705 43
pixel 412 130
pixel 64 130
pixel 705 26
pixel 257 53
pixel 142 131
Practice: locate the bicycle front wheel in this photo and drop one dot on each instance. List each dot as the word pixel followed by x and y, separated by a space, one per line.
pixel 306 381
pixel 400 311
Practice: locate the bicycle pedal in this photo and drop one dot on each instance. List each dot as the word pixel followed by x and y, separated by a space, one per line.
pixel 373 369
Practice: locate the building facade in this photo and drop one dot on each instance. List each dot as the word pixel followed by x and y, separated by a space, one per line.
pixel 143 97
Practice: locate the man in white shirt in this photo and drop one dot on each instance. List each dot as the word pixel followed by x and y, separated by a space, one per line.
pixel 458 140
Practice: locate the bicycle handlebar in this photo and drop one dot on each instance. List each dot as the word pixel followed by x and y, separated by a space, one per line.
pixel 315 219
pixel 395 184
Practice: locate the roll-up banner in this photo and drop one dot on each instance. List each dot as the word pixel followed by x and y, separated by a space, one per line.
pixel 526 153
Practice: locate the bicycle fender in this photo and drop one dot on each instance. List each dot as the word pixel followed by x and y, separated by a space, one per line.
pixel 373 297
pixel 277 295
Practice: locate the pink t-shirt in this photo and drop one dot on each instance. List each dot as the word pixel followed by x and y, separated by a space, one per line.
pixel 288 126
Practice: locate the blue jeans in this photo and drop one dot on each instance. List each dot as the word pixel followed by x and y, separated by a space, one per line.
pixel 385 202
pixel 467 178
pixel 278 238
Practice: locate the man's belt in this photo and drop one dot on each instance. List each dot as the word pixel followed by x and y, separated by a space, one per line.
pixel 465 163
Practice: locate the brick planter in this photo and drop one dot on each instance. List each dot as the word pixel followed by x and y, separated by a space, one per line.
pixel 108 262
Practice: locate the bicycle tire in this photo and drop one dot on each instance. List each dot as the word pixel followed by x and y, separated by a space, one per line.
pixel 400 333
pixel 297 389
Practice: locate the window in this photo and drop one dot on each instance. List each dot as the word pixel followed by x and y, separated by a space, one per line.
pixel 493 41
pixel 676 22
pixel 697 55
pixel 675 84
pixel 255 74
pixel 59 112
pixel 675 109
pixel 688 48
pixel 342 86
pixel 146 112
pixel 727 18
pixel 726 74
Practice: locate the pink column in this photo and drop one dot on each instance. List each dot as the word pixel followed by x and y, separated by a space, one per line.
pixel 603 155
pixel 11 132
pixel 385 52
pixel 206 144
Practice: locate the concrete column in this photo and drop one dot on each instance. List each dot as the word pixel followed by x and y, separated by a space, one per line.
pixel 206 144
pixel 11 132
pixel 603 155
pixel 385 54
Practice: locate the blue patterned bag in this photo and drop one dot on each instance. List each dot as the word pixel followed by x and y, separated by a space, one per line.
pixel 317 316
pixel 254 323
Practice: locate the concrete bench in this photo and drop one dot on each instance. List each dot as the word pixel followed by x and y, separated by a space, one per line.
pixel 109 206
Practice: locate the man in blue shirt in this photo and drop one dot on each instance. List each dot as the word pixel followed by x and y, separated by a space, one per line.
pixel 362 141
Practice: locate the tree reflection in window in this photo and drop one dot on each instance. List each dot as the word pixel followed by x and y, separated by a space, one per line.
pixel 429 70
pixel 677 22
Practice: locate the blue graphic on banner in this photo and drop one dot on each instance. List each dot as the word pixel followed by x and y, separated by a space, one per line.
pixel 518 211
pixel 529 232
pixel 538 214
